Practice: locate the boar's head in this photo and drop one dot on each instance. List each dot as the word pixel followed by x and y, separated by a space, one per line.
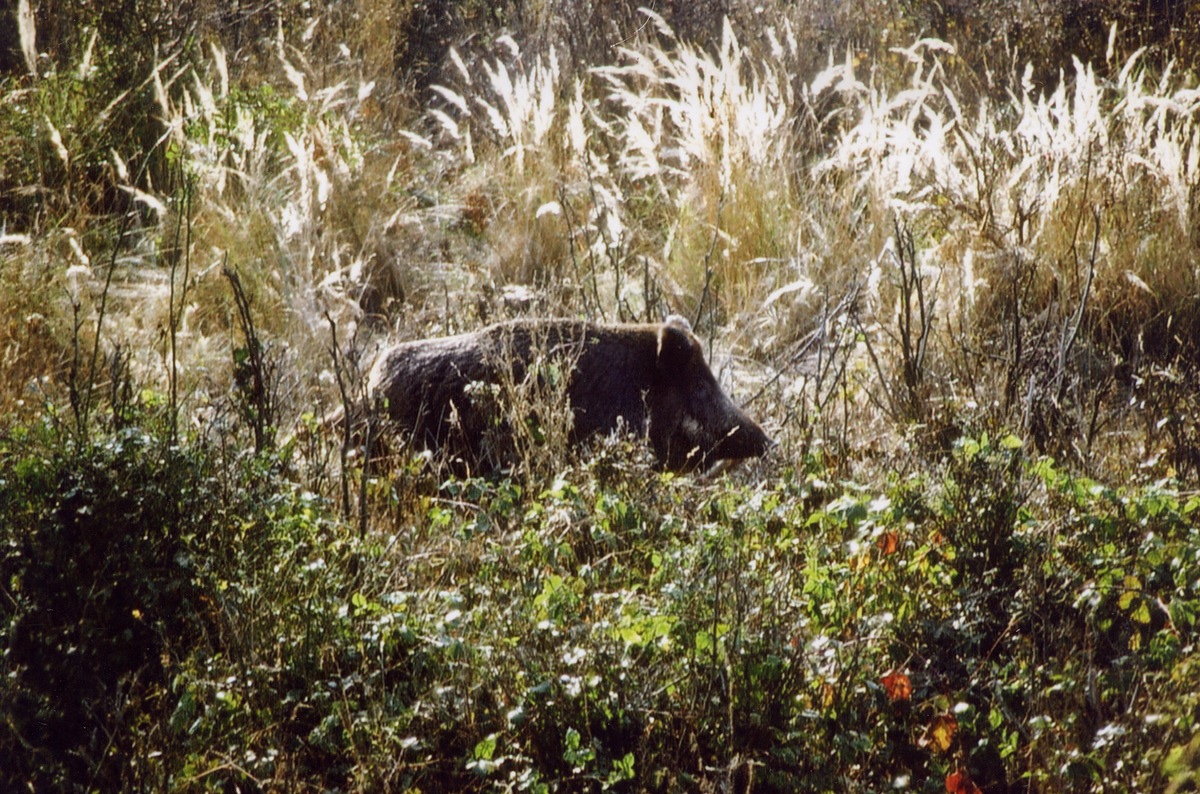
pixel 693 423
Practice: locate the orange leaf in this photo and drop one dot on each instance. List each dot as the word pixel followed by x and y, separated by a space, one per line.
pixel 940 733
pixel 959 782
pixel 888 542
pixel 897 686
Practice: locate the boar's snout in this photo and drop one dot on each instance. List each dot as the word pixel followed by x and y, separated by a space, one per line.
pixel 695 446
pixel 694 423
pixel 745 439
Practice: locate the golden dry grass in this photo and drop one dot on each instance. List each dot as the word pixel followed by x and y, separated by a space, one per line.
pixel 719 182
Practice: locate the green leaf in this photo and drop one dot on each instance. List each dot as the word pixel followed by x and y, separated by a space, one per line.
pixel 575 753
pixel 486 748
pixel 1010 442
pixel 622 769
pixel 1183 613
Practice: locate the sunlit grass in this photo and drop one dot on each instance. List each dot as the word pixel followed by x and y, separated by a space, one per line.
pixel 716 182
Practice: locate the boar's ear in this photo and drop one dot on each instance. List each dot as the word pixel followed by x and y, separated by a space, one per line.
pixel 679 321
pixel 674 343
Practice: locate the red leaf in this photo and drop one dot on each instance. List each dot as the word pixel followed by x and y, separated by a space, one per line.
pixel 959 782
pixel 897 686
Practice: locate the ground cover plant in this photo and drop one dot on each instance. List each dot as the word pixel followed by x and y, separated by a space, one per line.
pixel 947 254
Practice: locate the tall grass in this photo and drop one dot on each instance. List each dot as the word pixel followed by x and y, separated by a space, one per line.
pixel 1053 229
pixel 650 167
pixel 708 181
pixel 1018 171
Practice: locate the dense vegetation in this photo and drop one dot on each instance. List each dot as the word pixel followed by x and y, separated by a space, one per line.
pixel 947 253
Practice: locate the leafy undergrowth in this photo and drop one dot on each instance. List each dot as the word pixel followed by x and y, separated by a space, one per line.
pixel 179 620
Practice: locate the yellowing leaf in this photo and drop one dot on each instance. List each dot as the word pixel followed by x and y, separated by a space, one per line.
pixel 827 696
pixel 1132 586
pixel 939 735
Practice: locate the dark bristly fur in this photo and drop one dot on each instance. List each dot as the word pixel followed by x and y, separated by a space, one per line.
pixel 651 378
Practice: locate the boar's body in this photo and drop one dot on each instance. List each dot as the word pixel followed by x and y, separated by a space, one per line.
pixel 652 378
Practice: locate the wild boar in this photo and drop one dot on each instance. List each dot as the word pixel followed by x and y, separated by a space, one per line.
pixel 650 378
